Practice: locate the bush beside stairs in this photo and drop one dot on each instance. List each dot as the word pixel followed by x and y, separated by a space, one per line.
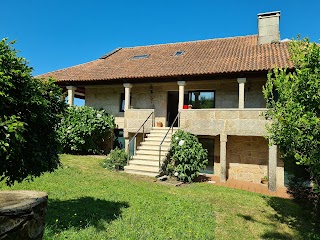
pixel 146 158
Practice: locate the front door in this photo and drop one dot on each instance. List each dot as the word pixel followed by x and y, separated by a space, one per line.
pixel 172 107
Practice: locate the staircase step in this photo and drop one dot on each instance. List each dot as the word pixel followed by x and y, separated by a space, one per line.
pixel 164 128
pixel 149 169
pixel 154 148
pixel 155 138
pixel 144 163
pixel 148 157
pixel 151 152
pixel 146 160
pixel 156 134
pixel 137 172
pixel 155 143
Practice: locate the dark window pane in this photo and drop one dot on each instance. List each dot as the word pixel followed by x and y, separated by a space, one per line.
pixel 201 99
pixel 141 56
pixel 121 103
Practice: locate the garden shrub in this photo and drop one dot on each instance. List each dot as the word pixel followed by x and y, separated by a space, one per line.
pixel 116 159
pixel 84 130
pixel 30 110
pixel 186 158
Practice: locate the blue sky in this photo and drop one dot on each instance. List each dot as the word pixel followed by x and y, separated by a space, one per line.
pixel 56 34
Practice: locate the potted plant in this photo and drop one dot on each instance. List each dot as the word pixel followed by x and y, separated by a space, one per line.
pixel 159 124
pixel 264 180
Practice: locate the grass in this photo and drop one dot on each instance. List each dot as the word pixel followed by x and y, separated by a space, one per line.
pixel 89 202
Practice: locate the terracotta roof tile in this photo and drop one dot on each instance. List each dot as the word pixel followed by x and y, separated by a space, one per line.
pixel 217 56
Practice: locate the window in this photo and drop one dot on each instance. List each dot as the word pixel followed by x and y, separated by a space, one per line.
pixel 200 99
pixel 121 103
pixel 140 56
pixel 178 53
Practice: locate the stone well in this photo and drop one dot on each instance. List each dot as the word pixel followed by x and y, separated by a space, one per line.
pixel 22 214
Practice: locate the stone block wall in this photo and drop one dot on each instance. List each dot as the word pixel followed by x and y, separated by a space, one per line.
pixel 134 118
pixel 247 158
pixel 154 96
pixel 107 98
pixel 22 214
pixel 245 122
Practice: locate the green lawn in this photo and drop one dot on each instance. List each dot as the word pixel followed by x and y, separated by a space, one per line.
pixel 89 202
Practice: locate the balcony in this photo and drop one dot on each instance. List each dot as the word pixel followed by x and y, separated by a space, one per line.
pixel 243 122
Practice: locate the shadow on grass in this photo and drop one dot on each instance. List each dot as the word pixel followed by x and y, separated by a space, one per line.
pixel 289 213
pixel 295 216
pixel 81 213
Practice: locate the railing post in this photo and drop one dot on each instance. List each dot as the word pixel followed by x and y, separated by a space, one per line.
pixel 134 145
pixel 128 153
pixel 159 155
pixel 143 133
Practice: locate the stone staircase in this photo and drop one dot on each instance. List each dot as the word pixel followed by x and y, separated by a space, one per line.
pixel 146 158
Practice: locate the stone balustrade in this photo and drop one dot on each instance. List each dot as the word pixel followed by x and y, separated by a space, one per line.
pixel 134 118
pixel 243 122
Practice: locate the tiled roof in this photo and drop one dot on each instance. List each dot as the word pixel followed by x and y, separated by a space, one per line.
pixel 217 56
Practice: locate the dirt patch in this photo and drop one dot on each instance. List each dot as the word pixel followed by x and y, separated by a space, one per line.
pixel 171 181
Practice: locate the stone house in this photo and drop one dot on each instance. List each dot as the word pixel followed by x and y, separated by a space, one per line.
pixel 214 86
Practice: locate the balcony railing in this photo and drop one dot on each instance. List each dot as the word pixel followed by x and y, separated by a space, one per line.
pixel 250 121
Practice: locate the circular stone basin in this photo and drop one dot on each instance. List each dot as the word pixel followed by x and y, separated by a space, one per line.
pixel 22 214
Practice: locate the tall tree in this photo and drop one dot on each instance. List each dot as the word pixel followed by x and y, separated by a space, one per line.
pixel 293 99
pixel 30 110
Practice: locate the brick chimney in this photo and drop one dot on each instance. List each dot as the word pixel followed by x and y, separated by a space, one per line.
pixel 268 27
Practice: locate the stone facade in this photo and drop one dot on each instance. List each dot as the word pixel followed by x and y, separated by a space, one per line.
pixel 134 118
pixel 247 159
pixel 155 96
pixel 247 150
pixel 107 98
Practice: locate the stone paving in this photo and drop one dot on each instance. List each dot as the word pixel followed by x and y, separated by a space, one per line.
pixel 247 186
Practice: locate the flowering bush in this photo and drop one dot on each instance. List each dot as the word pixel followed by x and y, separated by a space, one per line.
pixel 116 159
pixel 187 157
pixel 83 130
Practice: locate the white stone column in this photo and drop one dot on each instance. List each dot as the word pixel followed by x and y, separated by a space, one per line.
pixel 71 91
pixel 181 93
pixel 127 90
pixel 272 168
pixel 241 82
pixel 223 157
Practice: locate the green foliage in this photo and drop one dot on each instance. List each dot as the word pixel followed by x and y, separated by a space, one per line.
pixel 87 203
pixel 187 157
pixel 116 159
pixel 293 99
pixel 295 113
pixel 30 110
pixel 84 130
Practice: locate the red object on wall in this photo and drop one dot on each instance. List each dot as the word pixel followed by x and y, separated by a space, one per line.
pixel 185 106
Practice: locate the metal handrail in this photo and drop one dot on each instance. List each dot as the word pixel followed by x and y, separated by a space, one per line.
pixel 135 135
pixel 171 127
